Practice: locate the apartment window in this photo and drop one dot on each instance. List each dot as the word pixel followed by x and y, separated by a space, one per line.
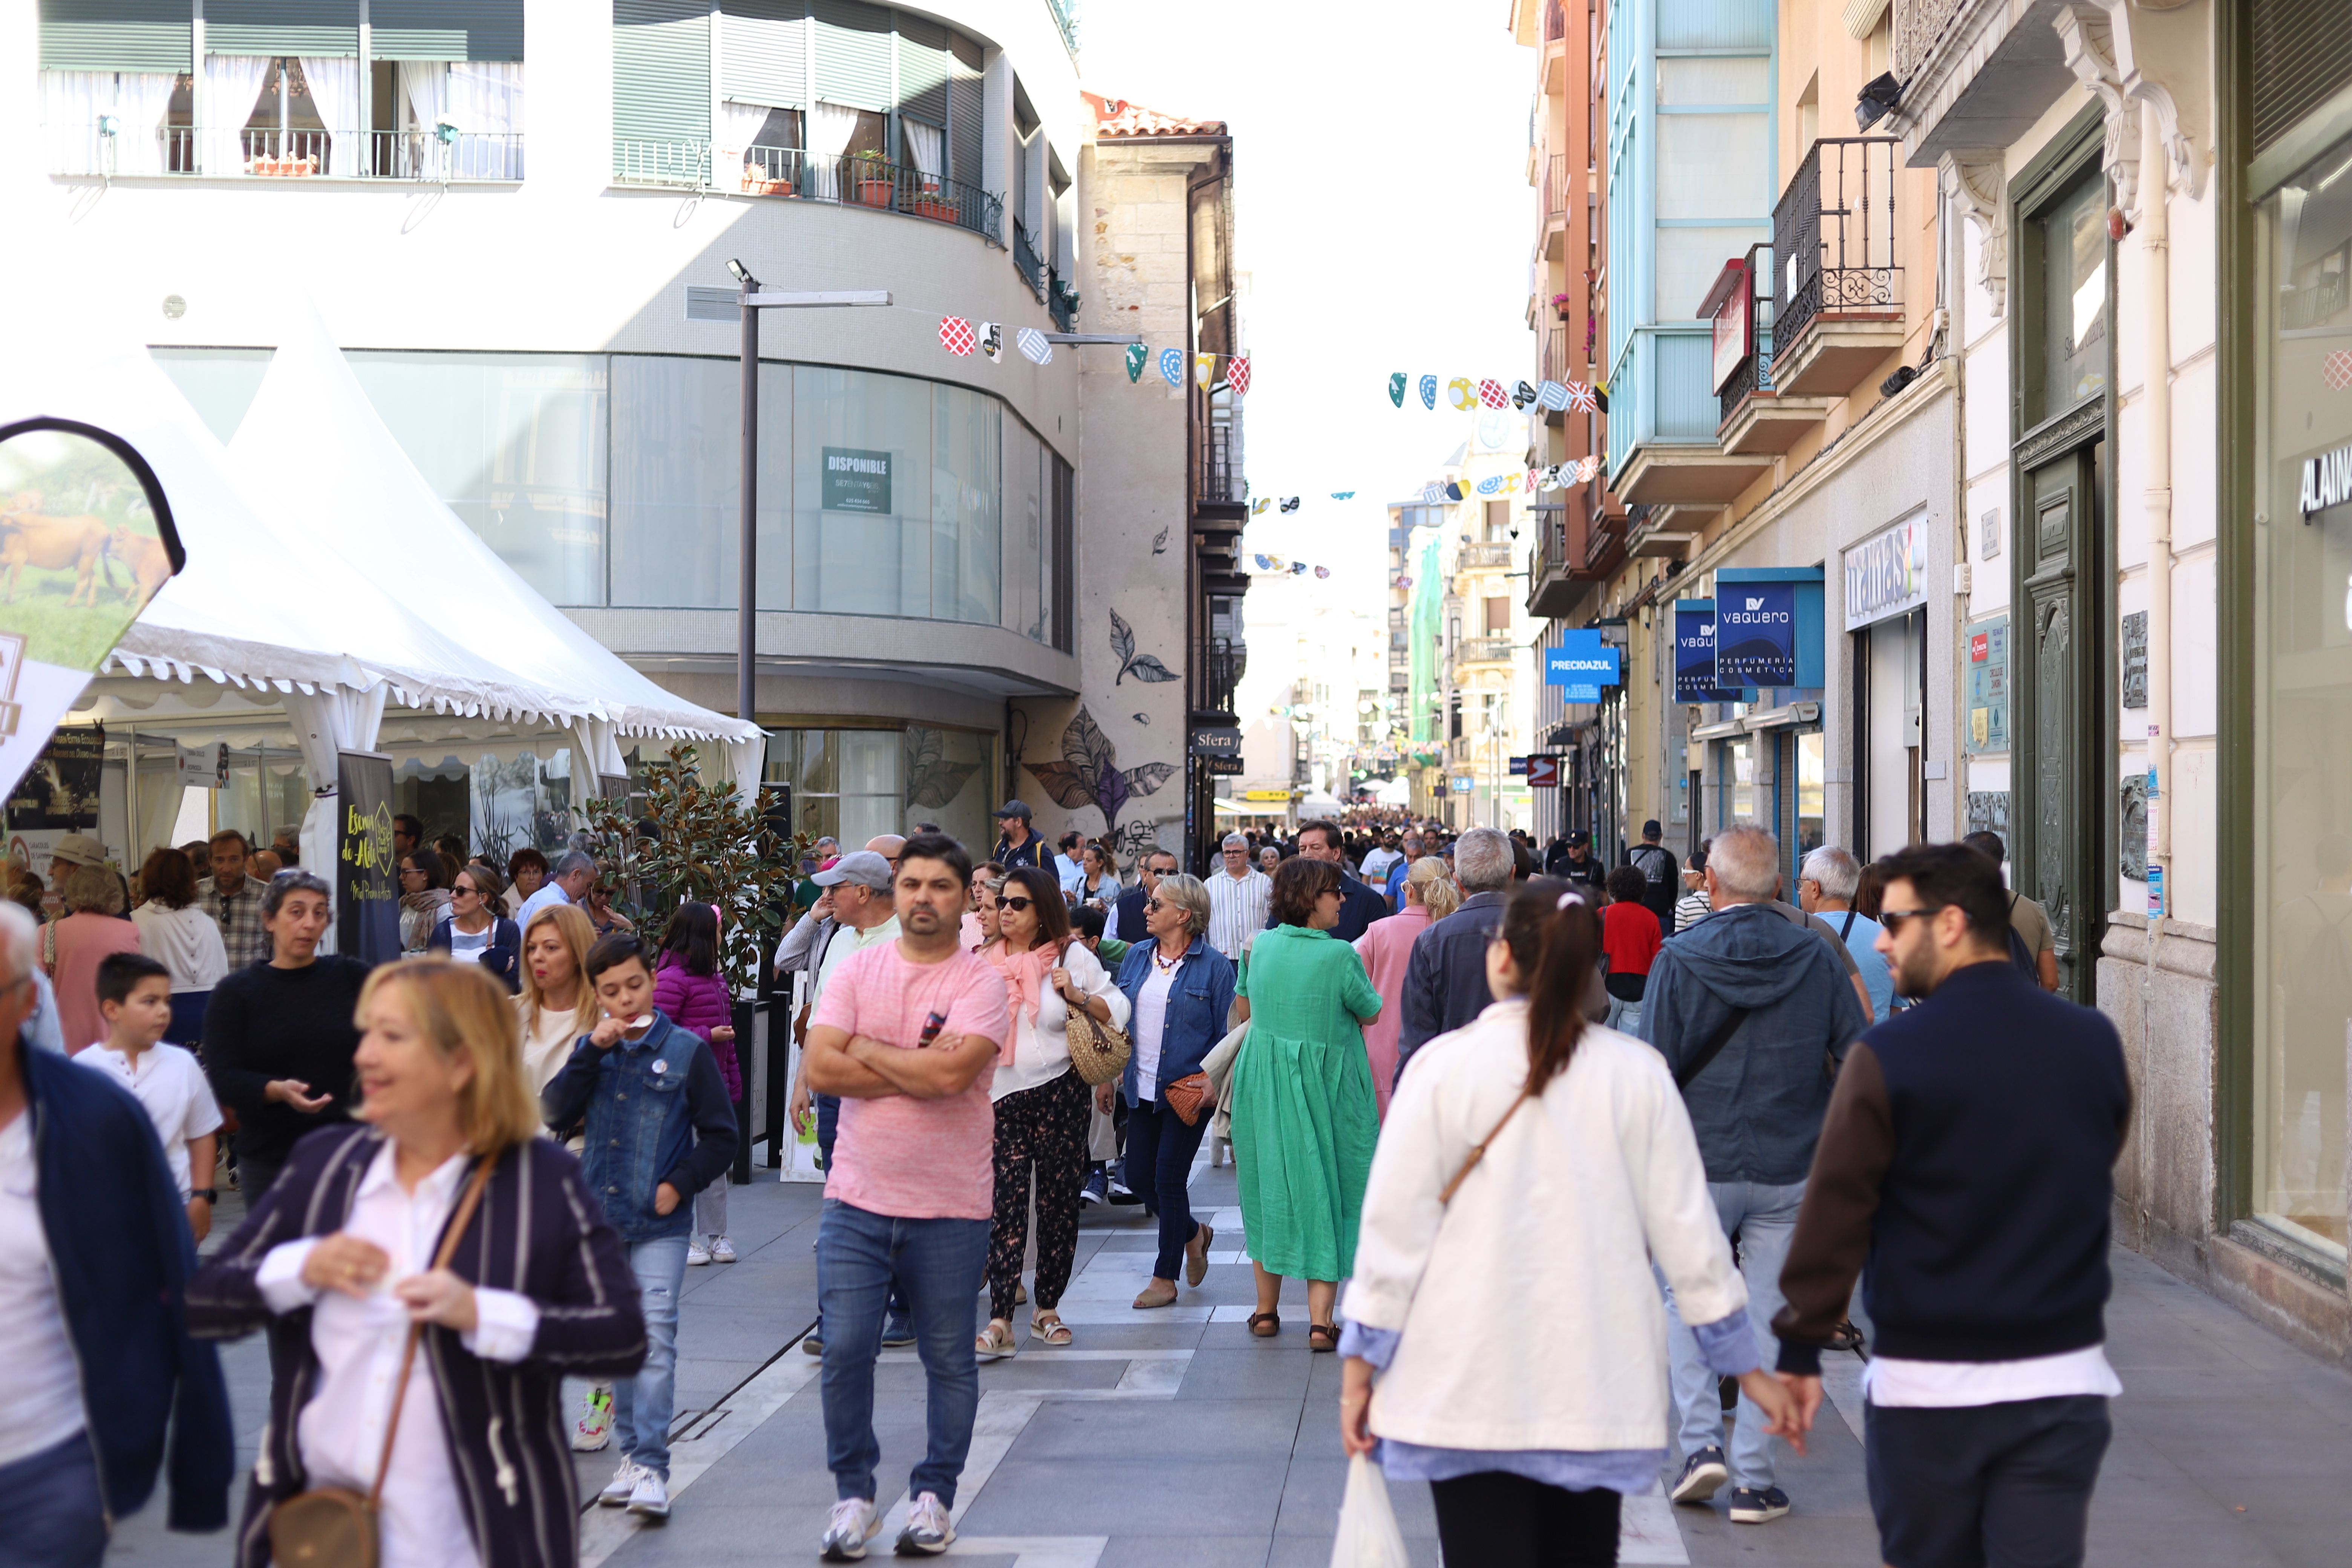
pixel 2074 295
pixel 1498 616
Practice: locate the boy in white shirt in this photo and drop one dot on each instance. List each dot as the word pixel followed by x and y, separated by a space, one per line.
pixel 134 996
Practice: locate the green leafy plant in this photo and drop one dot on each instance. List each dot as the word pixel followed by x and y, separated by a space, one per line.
pixel 688 840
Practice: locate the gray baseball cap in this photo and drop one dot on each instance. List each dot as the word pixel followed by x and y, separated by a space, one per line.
pixel 862 867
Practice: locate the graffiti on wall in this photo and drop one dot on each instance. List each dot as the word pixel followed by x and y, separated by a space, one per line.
pixel 1141 666
pixel 1088 772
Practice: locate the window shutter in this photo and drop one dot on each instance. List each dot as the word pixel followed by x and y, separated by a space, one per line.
pixel 852 54
pixel 763 52
pixel 923 61
pixel 967 107
pixel 282 28
pixel 2303 55
pixel 446 29
pixel 117 35
pixel 661 70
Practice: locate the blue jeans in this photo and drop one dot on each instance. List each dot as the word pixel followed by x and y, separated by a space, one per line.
pixel 56 1518
pixel 1766 1218
pixel 1159 1150
pixel 828 1124
pixel 939 1264
pixel 643 1404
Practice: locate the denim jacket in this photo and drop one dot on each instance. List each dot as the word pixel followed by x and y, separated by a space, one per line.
pixel 656 1110
pixel 1197 1004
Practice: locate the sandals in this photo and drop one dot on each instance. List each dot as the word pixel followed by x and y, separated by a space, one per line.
pixel 1151 1297
pixel 1196 1254
pixel 1052 1330
pixel 993 1343
pixel 1322 1337
pixel 1266 1325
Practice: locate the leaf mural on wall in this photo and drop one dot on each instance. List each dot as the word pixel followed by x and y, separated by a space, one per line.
pixel 1143 666
pixel 1159 543
pixel 1088 772
pixel 931 779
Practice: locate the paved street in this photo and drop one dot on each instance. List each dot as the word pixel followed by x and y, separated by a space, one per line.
pixel 1174 1438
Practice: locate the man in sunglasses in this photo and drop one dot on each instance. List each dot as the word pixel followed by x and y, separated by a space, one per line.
pixel 1967 1155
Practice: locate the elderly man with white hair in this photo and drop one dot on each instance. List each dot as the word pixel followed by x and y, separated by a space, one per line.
pixel 97 1374
pixel 1445 979
pixel 1239 897
pixel 1752 1011
pixel 1826 888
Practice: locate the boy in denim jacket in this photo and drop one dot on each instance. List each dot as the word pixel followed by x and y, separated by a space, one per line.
pixel 660 1130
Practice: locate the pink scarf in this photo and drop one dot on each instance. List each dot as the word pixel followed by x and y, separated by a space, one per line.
pixel 1024 984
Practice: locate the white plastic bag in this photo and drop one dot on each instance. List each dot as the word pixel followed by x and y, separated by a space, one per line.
pixel 1368 1536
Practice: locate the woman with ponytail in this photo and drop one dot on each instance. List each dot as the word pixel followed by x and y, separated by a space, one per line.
pixel 1532 1166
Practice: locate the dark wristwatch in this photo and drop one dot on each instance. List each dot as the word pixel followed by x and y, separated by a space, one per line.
pixel 209 1194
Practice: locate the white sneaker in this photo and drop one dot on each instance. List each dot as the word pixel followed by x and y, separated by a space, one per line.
pixel 696 1254
pixel 721 1250
pixel 624 1484
pixel 592 1432
pixel 650 1497
pixel 847 1529
pixel 928 1531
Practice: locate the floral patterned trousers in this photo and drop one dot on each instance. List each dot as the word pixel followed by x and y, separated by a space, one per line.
pixel 1041 1131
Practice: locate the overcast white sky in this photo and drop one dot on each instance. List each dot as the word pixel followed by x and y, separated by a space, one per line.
pixel 1383 215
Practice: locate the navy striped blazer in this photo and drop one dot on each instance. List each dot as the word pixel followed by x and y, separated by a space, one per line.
pixel 541 1232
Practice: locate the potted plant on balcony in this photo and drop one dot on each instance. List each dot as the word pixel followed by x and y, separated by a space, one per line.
pixel 1559 302
pixel 870 177
pixel 932 202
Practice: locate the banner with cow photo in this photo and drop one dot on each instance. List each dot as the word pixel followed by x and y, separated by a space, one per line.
pixel 86 540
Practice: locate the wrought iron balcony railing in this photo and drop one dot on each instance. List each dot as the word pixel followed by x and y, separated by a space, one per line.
pixel 1061 301
pixel 106 149
pixel 1221 670
pixel 1026 261
pixel 1834 234
pixel 1477 556
pixel 790 173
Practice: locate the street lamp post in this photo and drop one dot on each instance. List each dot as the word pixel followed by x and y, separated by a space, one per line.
pixel 752 299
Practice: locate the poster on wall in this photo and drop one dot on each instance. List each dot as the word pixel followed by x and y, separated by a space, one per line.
pixel 367 892
pixel 58 795
pixel 1756 634
pixel 855 480
pixel 1695 651
pixel 1988 685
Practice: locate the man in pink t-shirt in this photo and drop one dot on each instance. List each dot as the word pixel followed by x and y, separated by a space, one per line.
pixel 906 1034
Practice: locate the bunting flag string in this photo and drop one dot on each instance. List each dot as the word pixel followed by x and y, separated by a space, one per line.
pixel 1463 394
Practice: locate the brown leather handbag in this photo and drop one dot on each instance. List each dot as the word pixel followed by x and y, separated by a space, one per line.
pixel 1184 1096
pixel 335 1527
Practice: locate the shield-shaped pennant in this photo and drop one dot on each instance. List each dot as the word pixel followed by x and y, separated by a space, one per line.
pixel 1429 392
pixel 1396 389
pixel 1171 367
pixel 1552 395
pixel 1459 393
pixel 1290 504
pixel 1322 570
pixel 1204 370
pixel 1522 395
pixel 1492 395
pixel 1237 375
pixel 1033 346
pixel 955 336
pixel 992 340
pixel 1137 356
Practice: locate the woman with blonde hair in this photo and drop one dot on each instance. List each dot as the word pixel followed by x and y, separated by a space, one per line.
pixel 338 1262
pixel 557 1004
pixel 71 948
pixel 1430 894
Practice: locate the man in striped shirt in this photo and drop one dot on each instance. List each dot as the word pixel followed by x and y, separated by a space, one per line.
pixel 1239 897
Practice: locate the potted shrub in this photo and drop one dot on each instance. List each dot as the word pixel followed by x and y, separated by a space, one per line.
pixel 1559 302
pixel 932 202
pixel 870 177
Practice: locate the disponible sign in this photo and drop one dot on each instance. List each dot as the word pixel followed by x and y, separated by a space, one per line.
pixel 855 480
pixel 1581 664
pixel 1695 651
pixel 1756 634
pixel 1886 574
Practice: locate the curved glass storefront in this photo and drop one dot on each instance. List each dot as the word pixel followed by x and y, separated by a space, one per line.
pixel 612 480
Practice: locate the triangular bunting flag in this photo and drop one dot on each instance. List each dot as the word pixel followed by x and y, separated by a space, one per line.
pixel 1429 392
pixel 1137 356
pixel 955 336
pixel 1396 389
pixel 1237 375
pixel 1171 366
pixel 1033 346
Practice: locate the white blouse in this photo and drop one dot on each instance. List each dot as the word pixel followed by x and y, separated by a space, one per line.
pixel 1041 1047
pixel 186 941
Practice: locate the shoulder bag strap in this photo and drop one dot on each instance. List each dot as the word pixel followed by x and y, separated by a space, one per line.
pixel 1479 1151
pixel 1714 1048
pixel 458 1223
pixel 1846 930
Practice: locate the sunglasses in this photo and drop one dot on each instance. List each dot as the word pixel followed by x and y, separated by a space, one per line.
pixel 1154 905
pixel 1016 905
pixel 1893 918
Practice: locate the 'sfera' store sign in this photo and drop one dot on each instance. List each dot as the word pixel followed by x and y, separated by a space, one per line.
pixel 1886 574
pixel 2326 480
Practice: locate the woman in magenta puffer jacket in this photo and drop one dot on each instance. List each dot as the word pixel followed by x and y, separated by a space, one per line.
pixel 689 988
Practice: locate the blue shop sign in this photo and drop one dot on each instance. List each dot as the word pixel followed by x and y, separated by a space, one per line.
pixel 1581 664
pixel 1694 653
pixel 1756 633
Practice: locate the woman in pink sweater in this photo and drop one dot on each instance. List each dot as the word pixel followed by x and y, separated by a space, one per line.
pixel 689 988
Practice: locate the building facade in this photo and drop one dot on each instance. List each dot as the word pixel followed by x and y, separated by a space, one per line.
pixel 933 549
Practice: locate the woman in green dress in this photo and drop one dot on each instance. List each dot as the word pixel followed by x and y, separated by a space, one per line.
pixel 1305 1118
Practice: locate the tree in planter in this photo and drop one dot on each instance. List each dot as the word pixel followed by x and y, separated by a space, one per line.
pixel 703 842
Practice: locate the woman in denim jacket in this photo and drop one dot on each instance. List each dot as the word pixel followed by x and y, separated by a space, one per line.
pixel 1179 990
pixel 660 1130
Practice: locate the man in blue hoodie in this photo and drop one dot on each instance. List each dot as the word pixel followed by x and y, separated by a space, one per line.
pixel 1752 1011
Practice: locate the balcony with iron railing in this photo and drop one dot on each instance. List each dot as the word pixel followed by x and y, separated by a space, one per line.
pixel 1223 664
pixel 1837 306
pixel 106 149
pixel 1757 415
pixel 788 173
pixel 1494 557
pixel 1221 479
pixel 1975 74
pixel 1061 301
pixel 1495 649
pixel 1026 261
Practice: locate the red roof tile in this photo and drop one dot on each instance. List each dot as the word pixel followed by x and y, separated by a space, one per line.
pixel 1116 117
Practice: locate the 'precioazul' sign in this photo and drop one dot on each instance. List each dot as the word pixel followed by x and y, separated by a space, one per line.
pixel 1582 664
pixel 2326 480
pixel 1886 574
pixel 1756 633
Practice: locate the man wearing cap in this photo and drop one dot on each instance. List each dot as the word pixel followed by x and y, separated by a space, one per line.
pixel 233 902
pixel 1582 868
pixel 1016 843
pixel 1661 880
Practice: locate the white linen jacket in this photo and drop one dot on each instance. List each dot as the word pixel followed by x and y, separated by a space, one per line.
pixel 1527 1315
pixel 1041 1047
